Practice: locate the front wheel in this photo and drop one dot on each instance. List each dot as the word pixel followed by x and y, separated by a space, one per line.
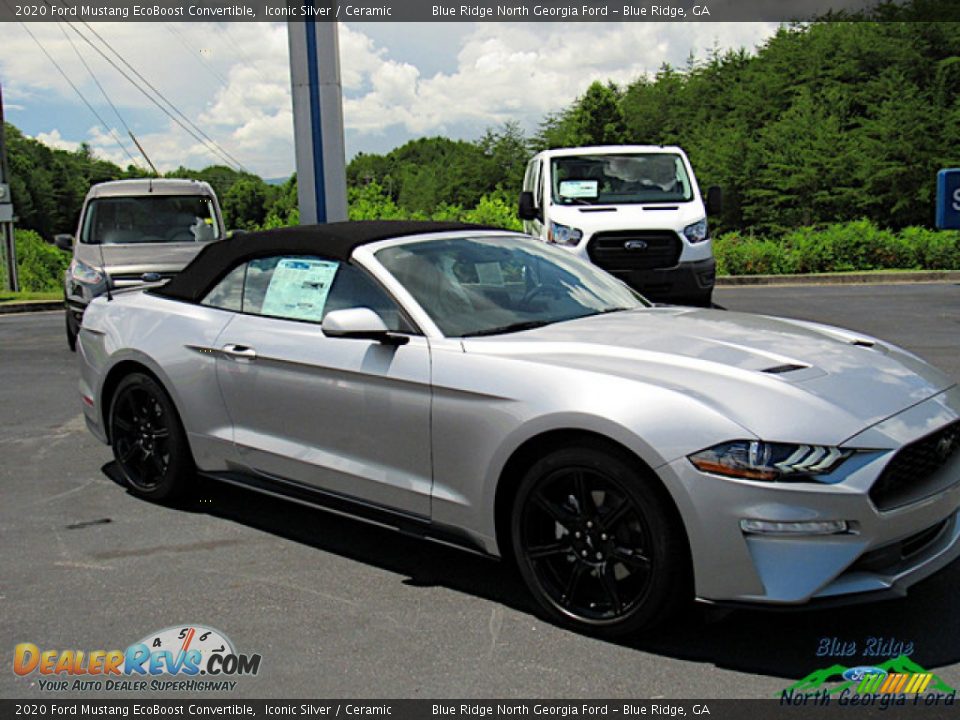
pixel 598 544
pixel 148 440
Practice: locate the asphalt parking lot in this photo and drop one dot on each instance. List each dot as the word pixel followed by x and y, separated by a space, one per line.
pixel 337 608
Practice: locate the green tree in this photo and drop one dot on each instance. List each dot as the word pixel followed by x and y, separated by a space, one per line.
pixel 245 204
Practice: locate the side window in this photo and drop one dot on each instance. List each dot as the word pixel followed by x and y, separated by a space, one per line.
pixel 228 293
pixel 352 288
pixel 289 287
pixel 528 176
pixel 303 288
pixel 538 195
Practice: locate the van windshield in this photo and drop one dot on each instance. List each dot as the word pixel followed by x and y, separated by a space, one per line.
pixel 624 178
pixel 150 219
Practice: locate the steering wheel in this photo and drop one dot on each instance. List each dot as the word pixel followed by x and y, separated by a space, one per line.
pixel 534 292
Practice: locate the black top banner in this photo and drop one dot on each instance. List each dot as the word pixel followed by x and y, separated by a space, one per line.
pixel 472 10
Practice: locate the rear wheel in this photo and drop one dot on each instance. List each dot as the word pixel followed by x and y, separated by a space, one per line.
pixel 148 440
pixel 597 544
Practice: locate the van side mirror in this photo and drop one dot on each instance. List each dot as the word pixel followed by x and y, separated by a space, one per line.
pixel 526 208
pixel 714 200
pixel 63 241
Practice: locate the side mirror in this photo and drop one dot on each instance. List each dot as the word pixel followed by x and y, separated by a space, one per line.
pixel 63 241
pixel 714 200
pixel 362 324
pixel 526 209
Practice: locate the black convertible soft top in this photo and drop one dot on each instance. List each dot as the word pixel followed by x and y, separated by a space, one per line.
pixel 334 241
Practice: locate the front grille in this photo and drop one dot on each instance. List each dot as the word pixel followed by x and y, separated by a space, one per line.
pixel 903 478
pixel 635 249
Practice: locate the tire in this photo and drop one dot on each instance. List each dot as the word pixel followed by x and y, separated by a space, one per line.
pixel 599 545
pixel 148 440
pixel 71 333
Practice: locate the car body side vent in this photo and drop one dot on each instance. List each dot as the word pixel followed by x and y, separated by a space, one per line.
pixel 863 343
pixel 781 369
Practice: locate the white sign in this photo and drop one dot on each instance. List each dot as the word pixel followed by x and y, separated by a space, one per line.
pixel 299 288
pixel 578 188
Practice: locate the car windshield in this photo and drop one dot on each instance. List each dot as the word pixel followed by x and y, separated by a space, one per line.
pixel 152 219
pixel 491 285
pixel 626 178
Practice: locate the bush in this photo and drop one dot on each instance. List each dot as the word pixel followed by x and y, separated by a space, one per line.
pixel 737 255
pixel 40 266
pixel 935 249
pixel 841 247
pixel 494 210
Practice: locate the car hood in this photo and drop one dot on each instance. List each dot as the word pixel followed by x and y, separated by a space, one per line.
pixel 599 218
pixel 785 380
pixel 138 258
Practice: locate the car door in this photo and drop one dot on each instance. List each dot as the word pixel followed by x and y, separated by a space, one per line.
pixel 347 416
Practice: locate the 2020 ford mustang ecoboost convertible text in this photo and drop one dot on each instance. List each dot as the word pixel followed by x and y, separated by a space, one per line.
pixel 486 389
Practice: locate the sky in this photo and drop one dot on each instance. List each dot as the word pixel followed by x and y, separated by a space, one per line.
pixel 400 81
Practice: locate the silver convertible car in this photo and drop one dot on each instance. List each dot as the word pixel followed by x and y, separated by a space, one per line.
pixel 480 388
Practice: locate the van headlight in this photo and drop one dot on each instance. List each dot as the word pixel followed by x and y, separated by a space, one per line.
pixel 83 273
pixel 563 234
pixel 758 460
pixel 697 232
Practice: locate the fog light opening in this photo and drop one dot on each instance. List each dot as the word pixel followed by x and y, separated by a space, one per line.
pixel 818 527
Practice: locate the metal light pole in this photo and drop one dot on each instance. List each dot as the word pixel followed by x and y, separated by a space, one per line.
pixel 6 211
pixel 318 119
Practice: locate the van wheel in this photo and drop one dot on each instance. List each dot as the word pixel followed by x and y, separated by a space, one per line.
pixel 71 332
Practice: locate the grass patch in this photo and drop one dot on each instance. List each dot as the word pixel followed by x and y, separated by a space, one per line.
pixel 7 297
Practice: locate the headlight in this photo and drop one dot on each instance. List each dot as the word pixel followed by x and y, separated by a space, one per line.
pixel 81 272
pixel 563 234
pixel 758 460
pixel 697 232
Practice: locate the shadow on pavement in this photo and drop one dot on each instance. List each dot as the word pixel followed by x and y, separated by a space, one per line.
pixel 780 644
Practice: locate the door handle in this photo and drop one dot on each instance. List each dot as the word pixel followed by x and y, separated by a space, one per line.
pixel 240 351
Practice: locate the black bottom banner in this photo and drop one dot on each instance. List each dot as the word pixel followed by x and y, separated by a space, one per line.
pixel 786 707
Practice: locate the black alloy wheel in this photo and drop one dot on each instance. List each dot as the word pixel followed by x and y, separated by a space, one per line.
pixel 148 440
pixel 597 544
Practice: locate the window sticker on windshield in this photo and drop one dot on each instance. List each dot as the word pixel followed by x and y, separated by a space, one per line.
pixel 299 288
pixel 578 188
pixel 489 273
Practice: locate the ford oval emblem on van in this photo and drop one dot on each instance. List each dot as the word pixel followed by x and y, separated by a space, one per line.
pixel 635 245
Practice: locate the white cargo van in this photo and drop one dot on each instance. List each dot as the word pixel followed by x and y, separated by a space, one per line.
pixel 634 210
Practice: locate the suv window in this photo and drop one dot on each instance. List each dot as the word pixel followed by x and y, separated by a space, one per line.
pixel 302 288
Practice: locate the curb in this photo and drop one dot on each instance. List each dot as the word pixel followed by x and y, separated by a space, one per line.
pixel 853 278
pixel 27 306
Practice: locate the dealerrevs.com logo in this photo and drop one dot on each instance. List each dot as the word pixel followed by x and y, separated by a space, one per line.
pixel 187 658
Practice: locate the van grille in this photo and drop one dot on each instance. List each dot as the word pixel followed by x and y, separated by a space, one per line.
pixel 127 278
pixel 635 250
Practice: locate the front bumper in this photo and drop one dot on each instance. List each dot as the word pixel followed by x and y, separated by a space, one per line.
pixel 685 282
pixel 883 554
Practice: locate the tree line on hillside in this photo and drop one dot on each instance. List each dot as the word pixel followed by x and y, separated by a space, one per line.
pixel 824 123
